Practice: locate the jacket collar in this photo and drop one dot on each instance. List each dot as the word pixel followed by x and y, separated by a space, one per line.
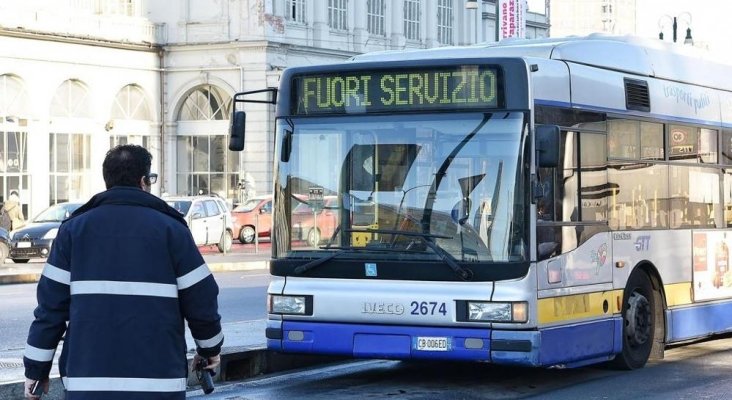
pixel 130 196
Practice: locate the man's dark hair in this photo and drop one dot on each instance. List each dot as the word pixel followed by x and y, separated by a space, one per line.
pixel 125 164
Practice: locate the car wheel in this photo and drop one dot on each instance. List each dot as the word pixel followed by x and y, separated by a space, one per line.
pixel 246 234
pixel 225 243
pixel 3 252
pixel 313 237
pixel 20 260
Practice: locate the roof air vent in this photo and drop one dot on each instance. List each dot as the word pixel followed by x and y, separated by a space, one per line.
pixel 636 95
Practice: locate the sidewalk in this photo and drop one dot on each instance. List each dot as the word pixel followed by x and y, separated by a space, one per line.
pixel 244 353
pixel 243 258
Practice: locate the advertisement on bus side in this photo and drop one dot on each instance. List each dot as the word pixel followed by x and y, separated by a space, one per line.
pixel 711 265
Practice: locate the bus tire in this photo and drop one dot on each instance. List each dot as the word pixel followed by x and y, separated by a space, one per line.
pixel 639 320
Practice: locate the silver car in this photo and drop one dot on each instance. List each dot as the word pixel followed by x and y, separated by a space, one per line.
pixel 209 219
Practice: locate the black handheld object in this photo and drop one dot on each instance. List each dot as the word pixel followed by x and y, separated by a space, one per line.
pixel 37 389
pixel 205 376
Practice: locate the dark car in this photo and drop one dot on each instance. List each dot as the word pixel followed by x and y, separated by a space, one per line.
pixel 35 239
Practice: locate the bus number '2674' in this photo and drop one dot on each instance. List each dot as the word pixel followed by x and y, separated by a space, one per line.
pixel 428 308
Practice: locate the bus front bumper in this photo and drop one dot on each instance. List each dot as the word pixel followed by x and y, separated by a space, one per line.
pixel 566 346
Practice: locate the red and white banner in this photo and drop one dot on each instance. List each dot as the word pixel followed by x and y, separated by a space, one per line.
pixel 512 18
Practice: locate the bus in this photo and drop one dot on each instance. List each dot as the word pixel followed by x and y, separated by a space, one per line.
pixel 545 203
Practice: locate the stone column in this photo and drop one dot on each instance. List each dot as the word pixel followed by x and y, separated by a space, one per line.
pixel 360 31
pixel 321 30
pixel 397 24
pixel 430 20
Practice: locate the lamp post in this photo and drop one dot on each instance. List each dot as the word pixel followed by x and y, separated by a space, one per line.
pixel 683 17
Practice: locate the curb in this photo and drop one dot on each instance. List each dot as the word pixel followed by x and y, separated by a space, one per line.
pixel 33 277
pixel 236 364
pixel 25 277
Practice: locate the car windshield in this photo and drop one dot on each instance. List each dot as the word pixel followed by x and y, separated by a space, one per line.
pixel 399 181
pixel 248 205
pixel 56 213
pixel 181 205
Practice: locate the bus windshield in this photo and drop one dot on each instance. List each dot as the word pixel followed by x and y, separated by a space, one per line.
pixel 404 187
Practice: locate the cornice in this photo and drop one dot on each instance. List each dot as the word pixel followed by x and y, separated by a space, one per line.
pixel 71 39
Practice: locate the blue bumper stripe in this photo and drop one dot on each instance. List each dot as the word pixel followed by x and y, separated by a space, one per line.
pixel 572 344
pixel 699 321
pixel 380 341
pixel 567 345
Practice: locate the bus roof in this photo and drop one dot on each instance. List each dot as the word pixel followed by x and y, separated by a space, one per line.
pixel 629 54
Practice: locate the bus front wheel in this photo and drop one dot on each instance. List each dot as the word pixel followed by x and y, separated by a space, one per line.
pixel 639 319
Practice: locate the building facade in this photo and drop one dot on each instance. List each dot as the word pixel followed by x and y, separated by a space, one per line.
pixel 80 76
pixel 583 17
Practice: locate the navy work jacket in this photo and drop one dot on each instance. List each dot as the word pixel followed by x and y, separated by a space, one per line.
pixel 124 273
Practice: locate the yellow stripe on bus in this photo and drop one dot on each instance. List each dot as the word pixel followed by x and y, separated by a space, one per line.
pixel 591 305
pixel 678 294
pixel 579 306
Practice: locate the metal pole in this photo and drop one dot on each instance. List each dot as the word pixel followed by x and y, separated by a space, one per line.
pixel 498 19
pixel 256 234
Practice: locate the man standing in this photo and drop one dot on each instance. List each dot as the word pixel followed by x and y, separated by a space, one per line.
pixel 13 209
pixel 124 273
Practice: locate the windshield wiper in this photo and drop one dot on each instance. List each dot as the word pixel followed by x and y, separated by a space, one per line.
pixel 318 261
pixel 442 171
pixel 428 239
pixel 344 249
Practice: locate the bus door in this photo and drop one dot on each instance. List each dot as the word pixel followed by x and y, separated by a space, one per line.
pixel 572 236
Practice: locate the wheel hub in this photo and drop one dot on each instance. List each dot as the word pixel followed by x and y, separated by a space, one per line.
pixel 638 320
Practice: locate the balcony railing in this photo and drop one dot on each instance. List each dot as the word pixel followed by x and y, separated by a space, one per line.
pixel 83 23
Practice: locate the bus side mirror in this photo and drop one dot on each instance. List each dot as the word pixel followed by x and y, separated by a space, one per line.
pixel 236 131
pixel 286 146
pixel 547 146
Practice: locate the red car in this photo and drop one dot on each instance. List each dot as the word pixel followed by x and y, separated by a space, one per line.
pixel 315 224
pixel 253 217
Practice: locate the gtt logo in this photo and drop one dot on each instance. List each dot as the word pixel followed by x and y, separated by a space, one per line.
pixel 643 243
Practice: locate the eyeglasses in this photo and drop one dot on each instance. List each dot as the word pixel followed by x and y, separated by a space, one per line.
pixel 151 178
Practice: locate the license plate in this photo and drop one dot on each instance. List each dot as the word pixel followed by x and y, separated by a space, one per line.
pixel 429 343
pixel 23 245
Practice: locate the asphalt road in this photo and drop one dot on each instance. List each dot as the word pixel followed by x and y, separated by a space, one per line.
pixel 695 371
pixel 242 297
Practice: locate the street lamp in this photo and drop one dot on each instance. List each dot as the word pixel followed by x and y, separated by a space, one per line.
pixel 684 17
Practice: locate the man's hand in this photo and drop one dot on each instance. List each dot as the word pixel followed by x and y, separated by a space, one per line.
pixel 213 362
pixel 29 384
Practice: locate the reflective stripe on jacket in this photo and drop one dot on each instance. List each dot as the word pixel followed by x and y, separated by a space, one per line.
pixel 125 273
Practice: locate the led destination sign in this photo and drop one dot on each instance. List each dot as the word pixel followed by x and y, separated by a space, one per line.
pixel 459 87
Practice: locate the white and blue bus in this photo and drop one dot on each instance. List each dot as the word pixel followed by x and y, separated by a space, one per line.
pixel 554 202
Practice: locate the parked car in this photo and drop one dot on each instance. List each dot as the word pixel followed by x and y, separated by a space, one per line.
pixel 253 217
pixel 209 219
pixel 315 221
pixel 34 240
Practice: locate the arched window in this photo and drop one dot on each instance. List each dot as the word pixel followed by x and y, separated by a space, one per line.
pixel 206 103
pixel 131 103
pixel 14 116
pixel 204 163
pixel 71 100
pixel 70 143
pixel 131 116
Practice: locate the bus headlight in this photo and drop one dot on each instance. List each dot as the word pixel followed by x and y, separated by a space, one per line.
pixel 498 312
pixel 294 305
